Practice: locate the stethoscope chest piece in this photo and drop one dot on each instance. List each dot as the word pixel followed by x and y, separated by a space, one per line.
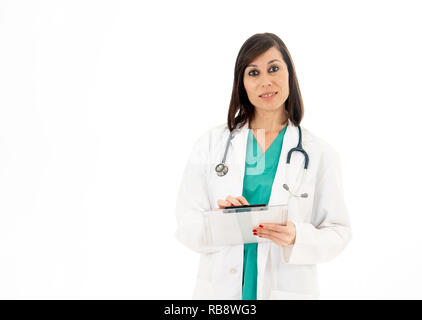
pixel 221 169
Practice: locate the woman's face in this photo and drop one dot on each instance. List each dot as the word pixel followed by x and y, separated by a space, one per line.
pixel 267 74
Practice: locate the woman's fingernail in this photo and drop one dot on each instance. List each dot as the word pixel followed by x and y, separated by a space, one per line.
pixel 261 226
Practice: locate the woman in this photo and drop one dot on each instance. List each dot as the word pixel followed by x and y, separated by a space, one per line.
pixel 264 116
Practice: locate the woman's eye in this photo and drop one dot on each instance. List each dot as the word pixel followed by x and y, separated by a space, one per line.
pixel 256 72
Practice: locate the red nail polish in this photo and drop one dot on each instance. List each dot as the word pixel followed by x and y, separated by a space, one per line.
pixel 261 226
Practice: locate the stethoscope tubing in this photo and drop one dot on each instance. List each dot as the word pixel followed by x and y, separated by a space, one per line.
pixel 222 169
pixel 298 149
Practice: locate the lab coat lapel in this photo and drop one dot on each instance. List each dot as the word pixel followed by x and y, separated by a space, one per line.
pixel 278 194
pixel 238 145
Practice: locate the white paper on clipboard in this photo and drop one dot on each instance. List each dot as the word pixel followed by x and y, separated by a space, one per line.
pixel 236 228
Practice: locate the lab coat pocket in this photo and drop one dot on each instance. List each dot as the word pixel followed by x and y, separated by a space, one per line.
pixel 286 295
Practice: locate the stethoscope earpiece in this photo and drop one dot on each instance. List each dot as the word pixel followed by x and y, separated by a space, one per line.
pixel 303 195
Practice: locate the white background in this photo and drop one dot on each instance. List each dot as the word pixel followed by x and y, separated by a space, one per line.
pixel 101 102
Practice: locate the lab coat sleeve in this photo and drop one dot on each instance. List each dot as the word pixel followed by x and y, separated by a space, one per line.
pixel 192 201
pixel 329 231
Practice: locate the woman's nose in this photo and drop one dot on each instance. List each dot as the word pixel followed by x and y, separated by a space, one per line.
pixel 265 81
pixel 265 84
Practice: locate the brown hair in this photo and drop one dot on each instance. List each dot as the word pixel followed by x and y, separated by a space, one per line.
pixel 252 48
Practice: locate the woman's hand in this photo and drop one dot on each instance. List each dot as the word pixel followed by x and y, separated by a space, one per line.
pixel 232 201
pixel 280 235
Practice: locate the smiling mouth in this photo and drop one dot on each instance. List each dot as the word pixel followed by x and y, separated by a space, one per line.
pixel 268 95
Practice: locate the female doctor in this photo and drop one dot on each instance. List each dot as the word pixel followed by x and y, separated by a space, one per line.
pixel 247 161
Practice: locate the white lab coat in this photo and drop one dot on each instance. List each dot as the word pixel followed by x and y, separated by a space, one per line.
pixel 321 220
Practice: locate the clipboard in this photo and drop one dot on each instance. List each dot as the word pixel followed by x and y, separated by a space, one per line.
pixel 233 225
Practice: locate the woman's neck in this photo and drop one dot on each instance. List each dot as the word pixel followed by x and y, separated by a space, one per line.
pixel 269 121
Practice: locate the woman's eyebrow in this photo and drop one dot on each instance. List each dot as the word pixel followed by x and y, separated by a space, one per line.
pixel 254 65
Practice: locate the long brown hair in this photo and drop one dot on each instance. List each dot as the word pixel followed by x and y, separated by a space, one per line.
pixel 252 48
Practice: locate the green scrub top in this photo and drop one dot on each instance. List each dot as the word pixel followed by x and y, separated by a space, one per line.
pixel 260 170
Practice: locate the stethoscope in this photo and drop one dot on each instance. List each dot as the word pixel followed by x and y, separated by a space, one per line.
pixel 222 168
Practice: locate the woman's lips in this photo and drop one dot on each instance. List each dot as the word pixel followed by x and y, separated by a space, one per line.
pixel 268 96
